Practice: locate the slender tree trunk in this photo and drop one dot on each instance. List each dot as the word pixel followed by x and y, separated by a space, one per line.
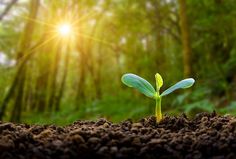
pixel 18 103
pixel 53 79
pixel 97 78
pixel 159 38
pixel 16 80
pixel 42 85
pixel 17 87
pixel 187 51
pixel 36 86
pixel 7 9
pixel 62 86
pixel 80 96
pixel 42 81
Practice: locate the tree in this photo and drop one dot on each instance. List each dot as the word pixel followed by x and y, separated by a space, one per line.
pixel 17 87
pixel 187 51
pixel 7 9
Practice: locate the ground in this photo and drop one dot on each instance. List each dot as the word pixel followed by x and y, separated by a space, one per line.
pixel 204 136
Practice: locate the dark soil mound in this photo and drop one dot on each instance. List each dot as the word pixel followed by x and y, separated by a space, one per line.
pixel 205 136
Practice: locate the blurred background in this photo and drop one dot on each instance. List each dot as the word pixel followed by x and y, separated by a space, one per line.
pixel 62 60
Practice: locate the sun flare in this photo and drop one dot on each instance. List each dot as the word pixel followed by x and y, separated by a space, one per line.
pixel 64 29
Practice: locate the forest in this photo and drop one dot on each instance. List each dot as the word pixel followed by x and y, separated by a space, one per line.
pixel 62 60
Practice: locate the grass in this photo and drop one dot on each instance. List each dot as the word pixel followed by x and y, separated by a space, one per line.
pixel 109 108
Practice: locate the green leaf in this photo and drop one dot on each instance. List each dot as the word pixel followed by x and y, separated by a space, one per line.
pixel 139 83
pixel 203 105
pixel 159 81
pixel 186 83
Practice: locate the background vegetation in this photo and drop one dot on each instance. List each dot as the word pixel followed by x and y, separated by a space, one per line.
pixel 49 78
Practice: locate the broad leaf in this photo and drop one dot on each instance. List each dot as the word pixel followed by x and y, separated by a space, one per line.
pixel 186 83
pixel 139 83
pixel 159 81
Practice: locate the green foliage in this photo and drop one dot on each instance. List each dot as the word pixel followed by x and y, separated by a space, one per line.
pixel 112 108
pixel 195 101
pixel 146 88
pixel 231 108
pixel 197 107
pixel 110 40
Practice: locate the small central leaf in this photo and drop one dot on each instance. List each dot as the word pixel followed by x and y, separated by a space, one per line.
pixel 139 83
pixel 159 81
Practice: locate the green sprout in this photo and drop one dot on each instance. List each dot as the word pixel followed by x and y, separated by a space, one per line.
pixel 143 86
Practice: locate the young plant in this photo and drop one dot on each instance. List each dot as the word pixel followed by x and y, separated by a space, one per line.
pixel 147 89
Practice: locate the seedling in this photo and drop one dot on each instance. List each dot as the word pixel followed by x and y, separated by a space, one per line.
pixel 147 89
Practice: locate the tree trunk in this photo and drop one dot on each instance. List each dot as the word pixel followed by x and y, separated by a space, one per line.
pixel 7 9
pixel 53 79
pixel 17 86
pixel 18 103
pixel 80 95
pixel 63 81
pixel 187 51
pixel 30 52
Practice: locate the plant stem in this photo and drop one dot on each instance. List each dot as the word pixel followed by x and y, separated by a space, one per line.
pixel 158 109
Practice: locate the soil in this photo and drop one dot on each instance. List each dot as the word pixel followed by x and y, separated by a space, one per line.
pixel 204 136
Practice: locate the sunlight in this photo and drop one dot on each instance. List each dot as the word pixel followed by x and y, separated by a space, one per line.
pixel 64 29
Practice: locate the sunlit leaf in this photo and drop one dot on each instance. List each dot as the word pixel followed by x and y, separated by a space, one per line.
pixel 186 83
pixel 139 83
pixel 159 81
